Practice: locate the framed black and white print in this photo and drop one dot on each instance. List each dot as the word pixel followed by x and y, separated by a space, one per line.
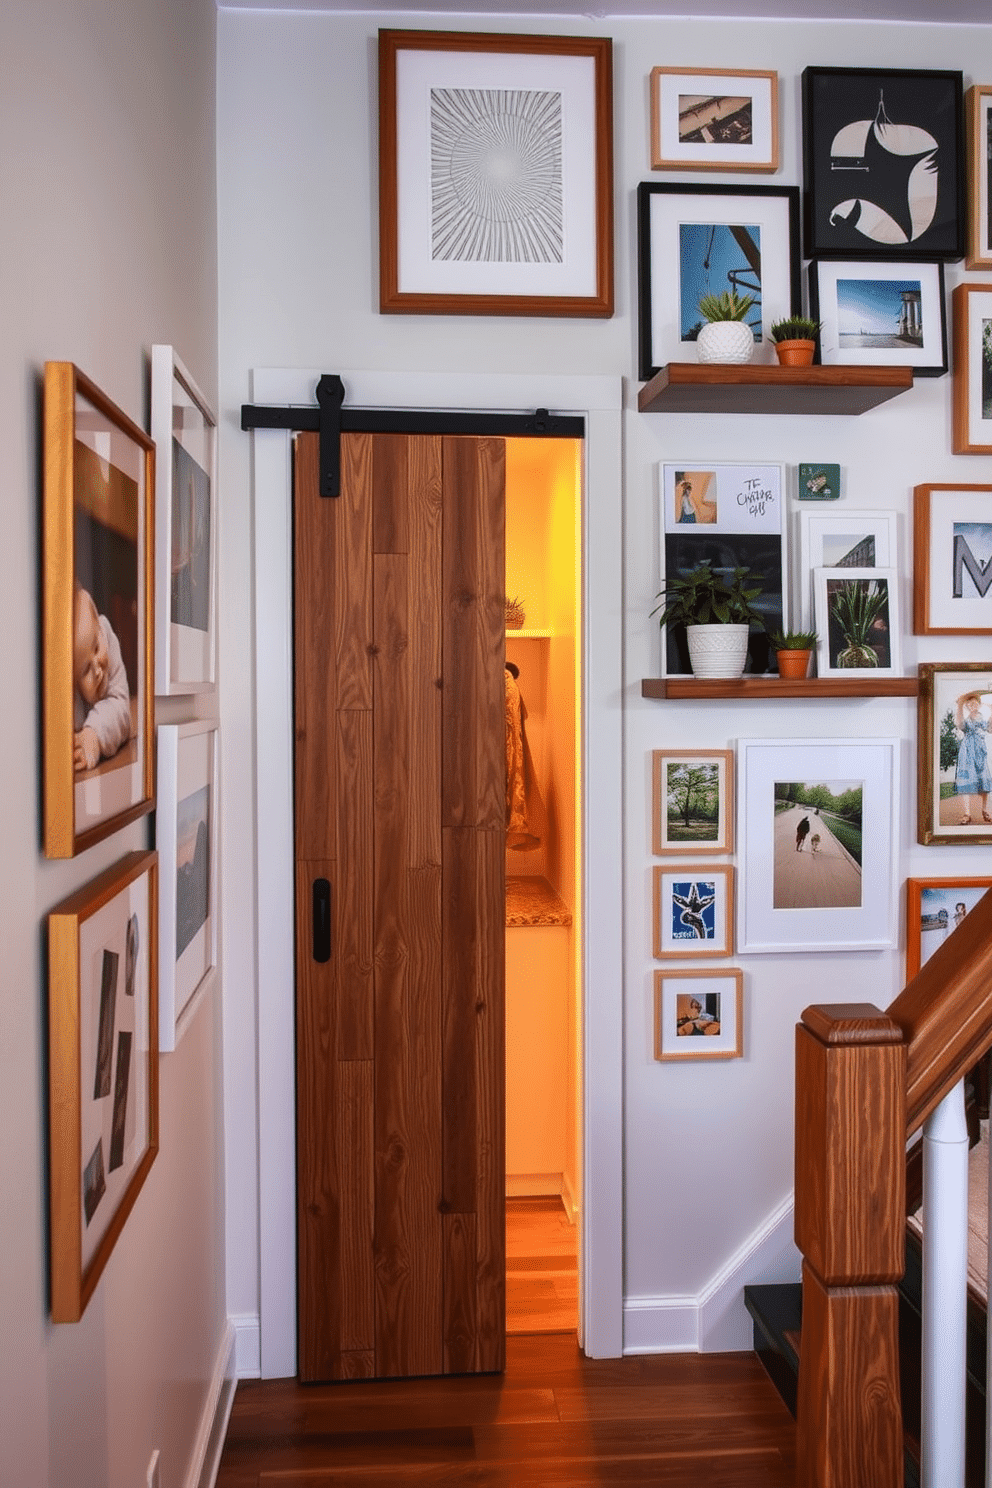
pixel 882 163
pixel 495 174
pixel 697 240
pixel 880 314
pixel 978 151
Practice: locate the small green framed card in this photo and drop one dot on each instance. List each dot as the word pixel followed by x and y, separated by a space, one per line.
pixel 819 482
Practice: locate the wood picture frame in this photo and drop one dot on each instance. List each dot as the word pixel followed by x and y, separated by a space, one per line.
pixel 883 160
pixel 98 655
pixel 186 836
pixel 876 314
pixel 184 430
pixel 971 421
pixel 442 95
pixel 692 803
pixel 978 158
pixel 711 118
pixel 952 559
pixel 699 1013
pixel 693 910
pixel 698 239
pixel 837 643
pixel 948 813
pixel 934 909
pixel 103 1070
pixel 797 895
pixel 841 539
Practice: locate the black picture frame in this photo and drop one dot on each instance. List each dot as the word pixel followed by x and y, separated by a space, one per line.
pixel 851 119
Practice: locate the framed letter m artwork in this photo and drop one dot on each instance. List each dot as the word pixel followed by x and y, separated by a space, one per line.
pixel 952 544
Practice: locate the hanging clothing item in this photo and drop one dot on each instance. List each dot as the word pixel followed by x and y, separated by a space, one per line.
pixel 520 785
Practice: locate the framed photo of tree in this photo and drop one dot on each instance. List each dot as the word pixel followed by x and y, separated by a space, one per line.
pixel 692 800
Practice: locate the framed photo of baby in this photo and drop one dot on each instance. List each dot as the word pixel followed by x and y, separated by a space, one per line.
pixel 99 474
pixel 955 775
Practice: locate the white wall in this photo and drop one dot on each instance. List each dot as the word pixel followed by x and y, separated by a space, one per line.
pixel 708 1148
pixel 109 209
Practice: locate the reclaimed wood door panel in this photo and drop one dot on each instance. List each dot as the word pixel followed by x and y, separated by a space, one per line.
pixel 400 790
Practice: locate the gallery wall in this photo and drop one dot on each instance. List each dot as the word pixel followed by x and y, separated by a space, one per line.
pixel 708 1146
pixel 109 245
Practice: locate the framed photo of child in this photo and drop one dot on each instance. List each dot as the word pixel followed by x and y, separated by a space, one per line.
pixel 935 907
pixel 99 475
pixel 699 1014
pixel 184 430
pixel 955 776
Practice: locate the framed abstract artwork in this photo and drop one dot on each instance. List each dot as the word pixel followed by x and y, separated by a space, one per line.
pixel 880 315
pixel 705 118
pixel 935 907
pixel 693 911
pixel 98 662
pixel 882 164
pixel 699 1014
pixel 954 780
pixel 978 155
pixel 103 1070
pixel 692 800
pixel 495 174
pixel 183 428
pixel 971 424
pixel 952 560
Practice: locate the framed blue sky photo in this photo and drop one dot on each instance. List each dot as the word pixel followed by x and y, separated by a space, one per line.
pixel 880 315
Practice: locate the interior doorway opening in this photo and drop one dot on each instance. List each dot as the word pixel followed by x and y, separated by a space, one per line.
pixel 544 884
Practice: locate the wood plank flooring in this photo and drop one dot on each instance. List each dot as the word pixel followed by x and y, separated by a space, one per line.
pixel 542 1278
pixel 554 1419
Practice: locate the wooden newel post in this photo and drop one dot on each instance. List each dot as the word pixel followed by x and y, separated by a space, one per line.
pixel 850 1226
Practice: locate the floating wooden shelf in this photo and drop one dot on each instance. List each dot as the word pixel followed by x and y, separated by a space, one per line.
pixel 763 687
pixel 713 387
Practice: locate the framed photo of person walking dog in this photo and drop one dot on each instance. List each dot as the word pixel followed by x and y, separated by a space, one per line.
pixel 693 911
pixel 817 835
pixel 955 777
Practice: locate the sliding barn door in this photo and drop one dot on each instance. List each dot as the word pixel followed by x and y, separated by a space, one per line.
pixel 400 804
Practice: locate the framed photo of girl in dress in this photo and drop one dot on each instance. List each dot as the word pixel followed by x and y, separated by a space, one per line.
pixel 935 907
pixel 955 776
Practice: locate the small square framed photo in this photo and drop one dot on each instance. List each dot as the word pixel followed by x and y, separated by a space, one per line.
pixel 882 163
pixel 978 153
pixel 704 119
pixel 952 560
pixel 880 315
pixel 818 823
pixel 186 835
pixel 103 1057
pixel 971 424
pixel 692 800
pixel 695 240
pixel 856 614
pixel 842 539
pixel 183 428
pixel 699 1014
pixel 935 907
pixel 954 724
pixel 693 911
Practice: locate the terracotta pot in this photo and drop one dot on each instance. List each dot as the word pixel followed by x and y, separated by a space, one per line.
pixel 795 353
pixel 793 665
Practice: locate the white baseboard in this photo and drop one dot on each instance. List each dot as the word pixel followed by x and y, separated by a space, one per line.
pixel 204 1462
pixel 716 1320
pixel 247 1346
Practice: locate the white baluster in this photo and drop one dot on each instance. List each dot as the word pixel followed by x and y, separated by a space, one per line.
pixel 945 1291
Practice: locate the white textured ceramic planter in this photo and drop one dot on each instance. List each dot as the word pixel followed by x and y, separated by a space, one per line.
pixel 725 341
pixel 717 650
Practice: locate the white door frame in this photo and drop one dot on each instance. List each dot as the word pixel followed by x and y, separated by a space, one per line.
pixel 599 399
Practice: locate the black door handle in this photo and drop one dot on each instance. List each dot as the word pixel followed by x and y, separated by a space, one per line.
pixel 321 919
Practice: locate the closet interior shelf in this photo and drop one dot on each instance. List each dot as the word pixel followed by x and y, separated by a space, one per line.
pixel 532 901
pixel 529 633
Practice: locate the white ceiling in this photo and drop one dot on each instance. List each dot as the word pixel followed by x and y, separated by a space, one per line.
pixel 943 11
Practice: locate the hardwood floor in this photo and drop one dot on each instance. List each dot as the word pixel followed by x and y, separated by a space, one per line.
pixel 542 1278
pixel 554 1418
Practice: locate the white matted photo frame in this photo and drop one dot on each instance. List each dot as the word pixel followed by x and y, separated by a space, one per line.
pixel 693 911
pixel 730 515
pixel 466 229
pixel 186 835
pixel 954 715
pixel 103 1070
pixel 98 660
pixel 817 836
pixel 856 615
pixel 692 808
pixel 695 240
pixel 184 430
pixel 880 315
pixel 978 154
pixel 699 1014
pixel 842 539
pixel 708 118
pixel 952 560
pixel 971 422
pixel 935 907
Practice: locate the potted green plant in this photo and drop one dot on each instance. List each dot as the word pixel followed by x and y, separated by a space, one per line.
pixel 726 335
pixel 717 611
pixel 794 649
pixel 855 608
pixel 795 340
